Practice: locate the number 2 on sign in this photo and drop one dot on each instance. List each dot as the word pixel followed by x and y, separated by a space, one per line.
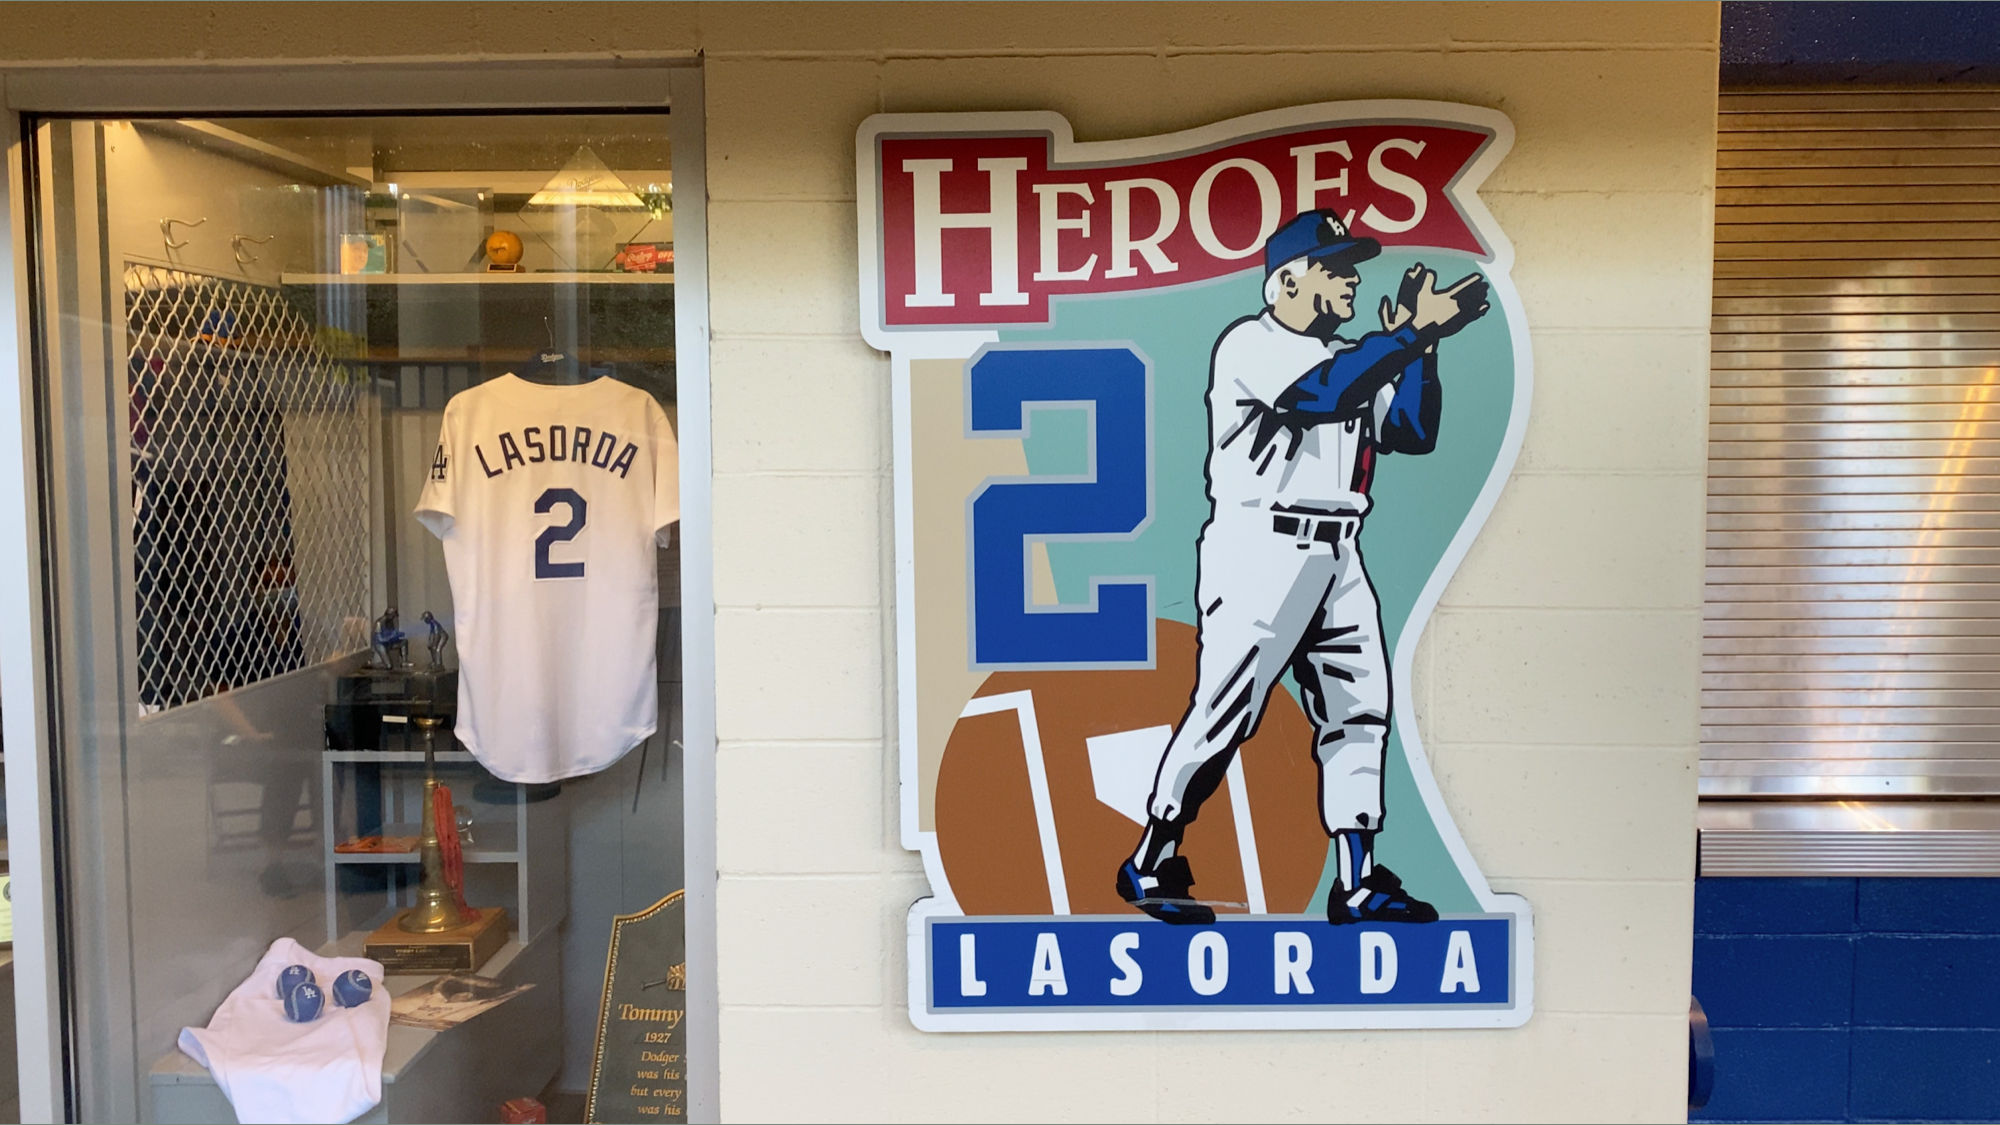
pixel 560 533
pixel 1111 503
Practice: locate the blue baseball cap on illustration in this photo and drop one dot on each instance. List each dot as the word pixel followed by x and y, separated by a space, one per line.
pixel 1319 236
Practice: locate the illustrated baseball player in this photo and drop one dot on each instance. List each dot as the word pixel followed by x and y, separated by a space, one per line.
pixel 1296 417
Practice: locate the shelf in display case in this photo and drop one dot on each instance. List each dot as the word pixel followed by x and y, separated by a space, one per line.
pixel 495 278
pixel 520 844
pixel 444 757
pixel 500 832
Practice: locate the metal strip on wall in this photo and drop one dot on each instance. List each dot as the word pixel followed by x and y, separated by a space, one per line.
pixel 1852 608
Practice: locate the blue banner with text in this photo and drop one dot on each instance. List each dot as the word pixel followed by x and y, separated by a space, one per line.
pixel 1069 963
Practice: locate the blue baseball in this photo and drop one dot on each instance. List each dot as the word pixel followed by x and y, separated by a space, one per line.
pixel 352 988
pixel 291 977
pixel 304 1003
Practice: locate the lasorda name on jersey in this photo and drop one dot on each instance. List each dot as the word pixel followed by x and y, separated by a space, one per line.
pixel 573 444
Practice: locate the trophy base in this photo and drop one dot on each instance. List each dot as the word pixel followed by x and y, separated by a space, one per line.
pixel 461 949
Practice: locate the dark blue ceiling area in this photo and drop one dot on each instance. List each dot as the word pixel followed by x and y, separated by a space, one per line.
pixel 1894 41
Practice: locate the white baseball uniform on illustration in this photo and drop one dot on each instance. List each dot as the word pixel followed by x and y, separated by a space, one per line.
pixel 1297 415
pixel 550 502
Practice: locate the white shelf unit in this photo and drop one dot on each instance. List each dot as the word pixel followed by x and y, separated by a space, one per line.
pixel 519 858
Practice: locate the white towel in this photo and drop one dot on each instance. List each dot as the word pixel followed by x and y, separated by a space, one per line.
pixel 326 1072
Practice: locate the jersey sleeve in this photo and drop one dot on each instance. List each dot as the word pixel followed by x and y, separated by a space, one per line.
pixel 666 477
pixel 1344 386
pixel 1385 400
pixel 1255 368
pixel 1407 410
pixel 437 504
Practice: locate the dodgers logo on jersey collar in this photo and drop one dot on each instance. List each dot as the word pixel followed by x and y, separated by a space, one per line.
pixel 1169 527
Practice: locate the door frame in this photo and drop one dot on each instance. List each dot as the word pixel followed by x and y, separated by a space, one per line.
pixel 29 708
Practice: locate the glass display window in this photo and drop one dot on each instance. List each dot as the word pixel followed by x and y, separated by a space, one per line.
pixel 362 497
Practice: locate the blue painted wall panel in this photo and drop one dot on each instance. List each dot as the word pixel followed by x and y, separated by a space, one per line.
pixel 1943 906
pixel 1927 980
pixel 1851 999
pixel 1774 906
pixel 1792 1075
pixel 1793 980
pixel 1921 1075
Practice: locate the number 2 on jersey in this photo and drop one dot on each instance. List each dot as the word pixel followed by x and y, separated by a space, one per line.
pixel 560 533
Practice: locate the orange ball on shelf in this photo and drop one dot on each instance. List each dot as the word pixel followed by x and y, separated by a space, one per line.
pixel 503 247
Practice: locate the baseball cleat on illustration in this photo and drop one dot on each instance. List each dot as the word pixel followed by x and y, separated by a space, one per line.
pixel 1165 894
pixel 1122 767
pixel 1380 899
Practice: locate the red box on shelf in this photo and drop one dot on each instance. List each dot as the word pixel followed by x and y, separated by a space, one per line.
pixel 518 1111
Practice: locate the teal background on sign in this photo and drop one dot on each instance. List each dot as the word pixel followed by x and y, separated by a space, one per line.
pixel 1420 502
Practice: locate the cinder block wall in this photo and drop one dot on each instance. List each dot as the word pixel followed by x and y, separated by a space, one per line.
pixel 1556 687
pixel 1850 999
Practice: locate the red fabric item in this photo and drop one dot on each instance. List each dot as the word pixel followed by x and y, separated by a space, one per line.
pixel 454 856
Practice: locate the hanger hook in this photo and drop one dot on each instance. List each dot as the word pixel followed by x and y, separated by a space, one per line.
pixel 244 257
pixel 167 230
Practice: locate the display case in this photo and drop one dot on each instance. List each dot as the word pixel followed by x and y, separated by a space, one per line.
pixel 516 839
pixel 243 406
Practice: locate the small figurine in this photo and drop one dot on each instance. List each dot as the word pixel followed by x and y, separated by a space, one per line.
pixel 392 647
pixel 438 639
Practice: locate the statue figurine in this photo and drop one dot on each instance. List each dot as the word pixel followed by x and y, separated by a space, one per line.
pixel 438 639
pixel 392 647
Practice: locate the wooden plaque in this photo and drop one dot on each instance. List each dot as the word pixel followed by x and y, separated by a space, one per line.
pixel 639 1070
pixel 461 950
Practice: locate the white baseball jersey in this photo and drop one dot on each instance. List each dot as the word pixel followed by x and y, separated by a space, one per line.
pixel 550 501
pixel 1256 462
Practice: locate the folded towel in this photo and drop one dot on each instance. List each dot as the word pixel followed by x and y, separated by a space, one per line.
pixel 326 1072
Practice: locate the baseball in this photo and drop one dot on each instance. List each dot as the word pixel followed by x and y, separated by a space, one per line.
pixel 503 247
pixel 290 977
pixel 304 1003
pixel 352 988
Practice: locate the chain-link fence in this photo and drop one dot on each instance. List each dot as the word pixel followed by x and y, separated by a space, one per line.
pixel 250 487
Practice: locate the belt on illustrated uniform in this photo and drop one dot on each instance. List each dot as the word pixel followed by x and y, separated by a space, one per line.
pixel 1322 529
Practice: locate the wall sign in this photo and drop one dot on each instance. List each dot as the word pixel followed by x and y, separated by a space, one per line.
pixel 1191 431
pixel 639 1069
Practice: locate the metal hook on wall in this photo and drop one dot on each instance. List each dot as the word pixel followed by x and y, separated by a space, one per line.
pixel 167 230
pixel 244 257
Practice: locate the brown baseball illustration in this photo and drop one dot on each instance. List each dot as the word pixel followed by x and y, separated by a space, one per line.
pixel 989 836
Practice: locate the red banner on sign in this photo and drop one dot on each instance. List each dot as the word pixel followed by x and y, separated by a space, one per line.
pixel 983 230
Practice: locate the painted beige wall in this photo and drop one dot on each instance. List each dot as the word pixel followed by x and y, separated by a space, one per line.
pixel 1557 687
pixel 1557 684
